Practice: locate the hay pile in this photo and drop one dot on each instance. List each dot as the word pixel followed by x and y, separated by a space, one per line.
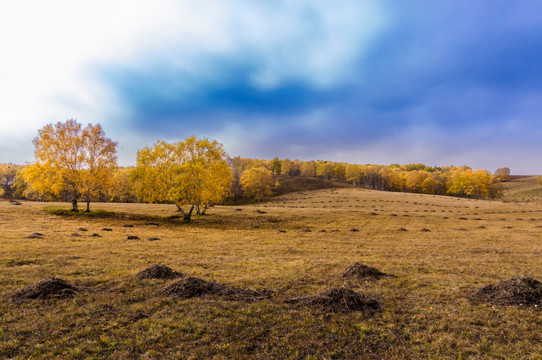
pixel 190 287
pixel 158 271
pixel 522 291
pixel 338 300
pixel 360 271
pixel 35 235
pixel 47 288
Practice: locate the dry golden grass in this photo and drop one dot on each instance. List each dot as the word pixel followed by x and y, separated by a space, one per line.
pixel 450 248
pixel 522 189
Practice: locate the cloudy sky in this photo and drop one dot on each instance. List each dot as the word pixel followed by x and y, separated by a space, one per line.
pixel 385 81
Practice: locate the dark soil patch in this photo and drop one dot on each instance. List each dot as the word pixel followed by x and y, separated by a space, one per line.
pixel 82 229
pixel 75 234
pixel 260 212
pixel 153 239
pixel 128 226
pixel 522 291
pixel 338 300
pixel 305 230
pixel 96 235
pixel 46 289
pixel 158 271
pixel 425 230
pixel 152 224
pixel 354 229
pixel 190 287
pixel 362 272
pixel 35 235
pixel 133 237
pixel 402 229
pixel 107 229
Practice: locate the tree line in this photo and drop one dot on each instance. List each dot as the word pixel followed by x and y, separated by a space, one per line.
pixel 460 181
pixel 73 163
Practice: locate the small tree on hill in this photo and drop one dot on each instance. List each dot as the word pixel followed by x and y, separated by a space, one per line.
pixel 276 165
pixel 257 182
pixel 502 174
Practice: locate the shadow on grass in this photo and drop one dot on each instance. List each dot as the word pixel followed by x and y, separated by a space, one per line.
pixel 214 221
pixel 103 214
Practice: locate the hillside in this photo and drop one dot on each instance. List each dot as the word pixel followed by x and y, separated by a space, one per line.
pixel 522 189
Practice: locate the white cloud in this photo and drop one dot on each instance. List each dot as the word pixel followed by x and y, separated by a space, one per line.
pixel 48 48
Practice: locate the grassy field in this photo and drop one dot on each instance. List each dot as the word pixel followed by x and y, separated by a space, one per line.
pixel 439 249
pixel 523 189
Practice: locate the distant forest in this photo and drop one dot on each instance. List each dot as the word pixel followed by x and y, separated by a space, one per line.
pixel 456 181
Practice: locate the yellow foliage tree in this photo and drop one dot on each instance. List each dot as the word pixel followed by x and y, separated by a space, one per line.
pixel 256 182
pixel 308 168
pixel 7 177
pixel 192 172
pixel 71 161
pixel 353 174
pixel 430 185
pixel 122 188
pixel 415 179
pixel 466 183
pixel 324 169
pixel 100 161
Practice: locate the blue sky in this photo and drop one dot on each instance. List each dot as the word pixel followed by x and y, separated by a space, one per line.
pixel 438 82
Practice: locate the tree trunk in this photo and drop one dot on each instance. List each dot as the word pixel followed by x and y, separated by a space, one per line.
pixel 204 210
pixel 74 205
pixel 186 215
pixel 88 206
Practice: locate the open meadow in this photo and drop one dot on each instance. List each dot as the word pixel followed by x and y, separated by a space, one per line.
pixel 436 251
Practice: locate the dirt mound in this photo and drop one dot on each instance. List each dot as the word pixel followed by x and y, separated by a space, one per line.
pixel 362 272
pixel 158 271
pixel 46 289
pixel 339 300
pixel 189 287
pixel 35 235
pixel 523 291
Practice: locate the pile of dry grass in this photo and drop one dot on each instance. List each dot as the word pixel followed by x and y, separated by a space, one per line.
pixel 190 287
pixel 158 271
pixel 35 235
pixel 47 288
pixel 339 300
pixel 523 291
pixel 362 272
